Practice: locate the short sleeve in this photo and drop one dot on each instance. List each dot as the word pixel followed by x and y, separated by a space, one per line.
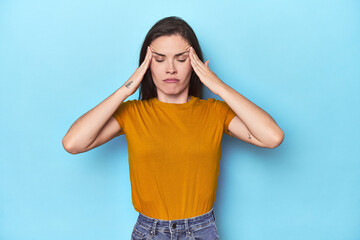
pixel 121 114
pixel 225 114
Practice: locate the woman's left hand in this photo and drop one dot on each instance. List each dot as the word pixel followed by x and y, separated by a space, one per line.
pixel 206 76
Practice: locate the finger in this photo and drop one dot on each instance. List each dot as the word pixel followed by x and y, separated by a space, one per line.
pixel 146 56
pixel 151 49
pixel 146 61
pixel 196 63
pixel 196 68
pixel 207 63
pixel 149 55
pixel 193 61
pixel 200 64
pixel 194 57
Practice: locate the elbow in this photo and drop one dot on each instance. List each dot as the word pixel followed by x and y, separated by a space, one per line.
pixel 68 146
pixel 278 139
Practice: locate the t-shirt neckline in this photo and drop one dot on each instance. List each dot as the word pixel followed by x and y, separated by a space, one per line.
pixel 175 105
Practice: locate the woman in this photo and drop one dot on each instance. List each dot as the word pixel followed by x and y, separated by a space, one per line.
pixel 174 136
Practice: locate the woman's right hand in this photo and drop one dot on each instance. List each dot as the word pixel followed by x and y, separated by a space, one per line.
pixel 132 84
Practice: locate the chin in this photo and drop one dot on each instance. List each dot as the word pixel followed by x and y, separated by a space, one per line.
pixel 173 90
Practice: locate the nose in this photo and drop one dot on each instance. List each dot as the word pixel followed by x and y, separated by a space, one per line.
pixel 170 68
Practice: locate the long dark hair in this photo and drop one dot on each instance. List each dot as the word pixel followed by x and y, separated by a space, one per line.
pixel 166 27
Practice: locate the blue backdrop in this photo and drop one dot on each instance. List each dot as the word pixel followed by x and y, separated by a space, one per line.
pixel 297 60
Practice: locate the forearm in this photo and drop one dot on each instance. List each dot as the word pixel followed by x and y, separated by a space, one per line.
pixel 259 123
pixel 86 128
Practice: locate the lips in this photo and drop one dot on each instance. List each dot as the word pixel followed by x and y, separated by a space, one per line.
pixel 171 80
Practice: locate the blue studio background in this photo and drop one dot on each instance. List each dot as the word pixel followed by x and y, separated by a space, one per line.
pixel 297 60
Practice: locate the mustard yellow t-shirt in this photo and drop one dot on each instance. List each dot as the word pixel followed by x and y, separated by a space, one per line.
pixel 174 154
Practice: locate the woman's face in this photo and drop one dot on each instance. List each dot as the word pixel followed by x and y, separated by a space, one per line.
pixel 170 60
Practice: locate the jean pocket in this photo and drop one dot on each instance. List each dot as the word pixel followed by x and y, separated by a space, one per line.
pixel 207 232
pixel 139 232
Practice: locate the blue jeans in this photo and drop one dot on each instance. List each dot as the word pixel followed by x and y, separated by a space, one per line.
pixel 199 227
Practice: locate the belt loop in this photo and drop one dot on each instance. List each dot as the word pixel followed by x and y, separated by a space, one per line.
pixel 187 227
pixel 153 227
pixel 213 214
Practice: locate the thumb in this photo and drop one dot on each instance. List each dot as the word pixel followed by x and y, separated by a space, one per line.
pixel 207 63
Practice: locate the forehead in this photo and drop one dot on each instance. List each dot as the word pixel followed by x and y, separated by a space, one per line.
pixel 169 45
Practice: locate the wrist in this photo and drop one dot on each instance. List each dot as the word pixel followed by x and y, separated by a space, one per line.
pixel 123 92
pixel 221 89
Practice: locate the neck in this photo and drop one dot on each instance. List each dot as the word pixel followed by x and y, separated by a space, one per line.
pixel 188 99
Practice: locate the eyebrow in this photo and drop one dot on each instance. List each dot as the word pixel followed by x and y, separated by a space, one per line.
pixel 176 55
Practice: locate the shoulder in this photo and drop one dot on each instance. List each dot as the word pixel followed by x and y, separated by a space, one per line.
pixel 215 103
pixel 212 101
pixel 133 104
pixel 208 101
pixel 126 105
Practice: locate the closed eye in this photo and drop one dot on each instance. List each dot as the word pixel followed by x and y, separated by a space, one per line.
pixel 163 60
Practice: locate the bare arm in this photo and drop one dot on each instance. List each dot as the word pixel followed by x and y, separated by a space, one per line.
pixel 251 121
pixel 97 126
pixel 87 128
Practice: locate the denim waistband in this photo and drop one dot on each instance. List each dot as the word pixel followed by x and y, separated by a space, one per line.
pixel 178 224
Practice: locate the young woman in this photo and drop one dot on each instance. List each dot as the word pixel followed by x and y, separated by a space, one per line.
pixel 173 135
